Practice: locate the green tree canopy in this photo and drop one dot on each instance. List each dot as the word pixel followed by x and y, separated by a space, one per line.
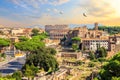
pixel 91 55
pixel 17 75
pixel 101 52
pixel 91 64
pixel 3 55
pixel 51 51
pixel 4 42
pixel 110 29
pixel 115 78
pixel 29 45
pixel 38 38
pixel 43 60
pixel 75 47
pixel 29 70
pixel 23 38
pixel 35 32
pixel 76 39
pixel 45 34
pixel 111 71
pixel 4 78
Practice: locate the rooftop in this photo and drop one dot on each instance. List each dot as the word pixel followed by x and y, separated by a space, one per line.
pixel 94 39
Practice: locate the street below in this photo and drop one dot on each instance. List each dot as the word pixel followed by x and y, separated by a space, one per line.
pixel 12 66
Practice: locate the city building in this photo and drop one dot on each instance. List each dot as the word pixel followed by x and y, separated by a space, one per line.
pixel 27 30
pixel 84 32
pixel 114 43
pixel 91 44
pixel 16 31
pixel 92 39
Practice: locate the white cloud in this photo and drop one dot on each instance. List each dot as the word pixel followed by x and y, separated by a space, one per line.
pixel 58 2
pixel 37 3
pixel 55 11
pixel 50 20
pixel 48 10
pixel 20 3
pixel 97 8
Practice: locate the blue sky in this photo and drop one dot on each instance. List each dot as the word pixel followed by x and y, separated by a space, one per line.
pixel 15 13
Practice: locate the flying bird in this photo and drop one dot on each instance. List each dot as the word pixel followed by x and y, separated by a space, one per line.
pixel 84 15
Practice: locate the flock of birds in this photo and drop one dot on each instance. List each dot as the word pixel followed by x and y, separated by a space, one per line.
pixel 84 14
pixel 61 12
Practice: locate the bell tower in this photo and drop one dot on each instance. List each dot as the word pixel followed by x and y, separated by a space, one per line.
pixel 96 26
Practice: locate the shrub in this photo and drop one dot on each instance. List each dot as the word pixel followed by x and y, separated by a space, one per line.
pixel 91 64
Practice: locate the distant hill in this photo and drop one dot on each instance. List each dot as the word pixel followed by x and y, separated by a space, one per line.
pixel 90 26
pixel 110 29
pixel 2 26
pixel 36 26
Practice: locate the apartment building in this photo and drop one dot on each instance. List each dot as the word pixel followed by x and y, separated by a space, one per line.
pixel 4 31
pixel 110 43
pixel 16 31
pixel 90 44
pixel 57 32
pixel 114 43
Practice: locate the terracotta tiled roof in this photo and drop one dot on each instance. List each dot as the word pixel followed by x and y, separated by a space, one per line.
pixel 27 30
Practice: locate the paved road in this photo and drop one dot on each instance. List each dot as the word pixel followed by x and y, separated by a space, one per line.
pixel 12 66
